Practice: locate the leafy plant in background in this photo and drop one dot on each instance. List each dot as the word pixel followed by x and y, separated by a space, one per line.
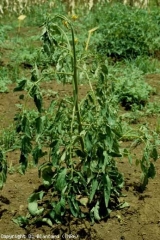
pixel 128 34
pixel 130 88
pixel 9 139
pixel 150 142
pixel 145 64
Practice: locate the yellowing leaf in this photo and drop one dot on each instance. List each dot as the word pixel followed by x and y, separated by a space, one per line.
pixel 21 17
pixel 93 29
pixel 74 17
pixel 84 201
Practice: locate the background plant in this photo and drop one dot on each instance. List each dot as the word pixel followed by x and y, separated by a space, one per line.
pixel 130 33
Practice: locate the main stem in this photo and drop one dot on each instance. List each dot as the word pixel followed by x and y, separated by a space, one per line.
pixel 75 81
pixel 75 91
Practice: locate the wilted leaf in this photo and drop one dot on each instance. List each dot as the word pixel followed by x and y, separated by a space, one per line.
pixel 95 211
pixel 61 181
pixel 93 189
pixel 154 154
pixel 48 221
pixel 151 171
pixel 107 190
pixel 20 86
pixel 33 205
pixel 73 205
pixel 38 101
pixel 83 201
pixel 123 205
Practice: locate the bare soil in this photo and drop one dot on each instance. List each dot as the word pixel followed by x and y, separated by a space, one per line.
pixel 140 221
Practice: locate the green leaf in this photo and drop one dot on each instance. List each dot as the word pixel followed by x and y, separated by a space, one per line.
pixel 21 221
pixel 88 142
pixel 34 77
pixel 24 162
pixel 95 212
pixel 107 189
pixel 48 221
pixel 154 154
pixel 26 146
pixel 38 101
pixel 33 205
pixel 37 153
pixel 73 205
pixel 58 209
pixel 151 171
pixel 47 175
pixel 93 189
pixel 47 49
pixel 35 74
pixel 104 69
pixel 33 91
pixel 20 86
pixel 26 126
pixel 61 180
pixel 36 196
pixel 39 125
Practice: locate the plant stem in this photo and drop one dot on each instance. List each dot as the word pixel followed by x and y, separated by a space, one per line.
pixel 75 91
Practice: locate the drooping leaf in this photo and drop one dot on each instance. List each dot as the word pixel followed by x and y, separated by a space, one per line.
pixel 88 142
pixel 151 171
pixel 61 180
pixel 94 187
pixel 33 204
pixel 20 86
pixel 26 126
pixel 123 205
pixel 84 201
pixel 33 90
pixel 48 221
pixel 94 213
pixel 107 189
pixel 104 69
pixel 73 206
pixel 154 154
pixel 39 124
pixel 37 153
pixel 26 146
pixel 24 162
pixel 35 74
pixel 45 171
pixel 38 101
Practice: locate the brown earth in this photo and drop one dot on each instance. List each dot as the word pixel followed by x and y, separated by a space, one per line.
pixel 140 221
